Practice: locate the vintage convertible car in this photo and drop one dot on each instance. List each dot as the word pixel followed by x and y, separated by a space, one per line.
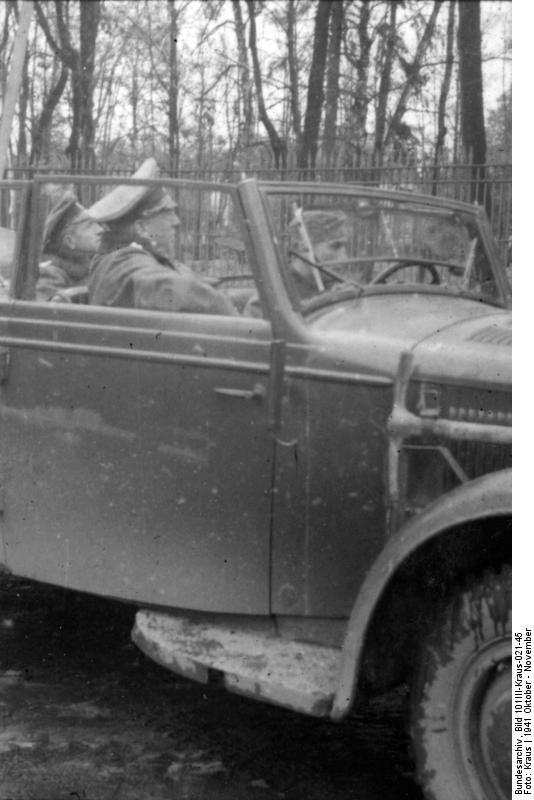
pixel 311 499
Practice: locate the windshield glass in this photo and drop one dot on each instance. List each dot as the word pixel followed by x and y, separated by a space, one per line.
pixel 333 246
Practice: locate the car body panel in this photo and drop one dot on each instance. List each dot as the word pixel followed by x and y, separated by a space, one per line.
pixel 453 338
pixel 327 506
pixel 488 496
pixel 120 419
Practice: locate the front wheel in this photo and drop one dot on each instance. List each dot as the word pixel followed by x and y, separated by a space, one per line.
pixel 462 709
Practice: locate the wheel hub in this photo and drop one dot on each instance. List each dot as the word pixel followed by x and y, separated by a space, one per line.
pixel 484 715
pixel 496 730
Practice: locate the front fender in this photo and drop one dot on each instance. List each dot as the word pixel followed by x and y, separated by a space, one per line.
pixel 483 497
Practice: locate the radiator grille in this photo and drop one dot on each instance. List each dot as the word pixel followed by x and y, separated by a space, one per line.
pixel 429 470
pixel 478 458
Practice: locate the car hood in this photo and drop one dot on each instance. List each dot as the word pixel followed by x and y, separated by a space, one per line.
pixel 452 338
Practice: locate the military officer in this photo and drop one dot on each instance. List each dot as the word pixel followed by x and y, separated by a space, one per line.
pixel 137 268
pixel 321 237
pixel 314 237
pixel 70 240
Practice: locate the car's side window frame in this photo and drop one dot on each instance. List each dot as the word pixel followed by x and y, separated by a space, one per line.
pixel 28 243
pixel 26 236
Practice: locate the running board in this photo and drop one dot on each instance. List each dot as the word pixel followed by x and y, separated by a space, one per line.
pixel 256 664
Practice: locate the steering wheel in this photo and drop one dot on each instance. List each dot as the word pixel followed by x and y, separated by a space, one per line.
pixel 388 271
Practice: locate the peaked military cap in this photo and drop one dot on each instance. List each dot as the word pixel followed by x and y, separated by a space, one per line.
pixel 66 209
pixel 133 201
pixel 320 225
pixel 325 225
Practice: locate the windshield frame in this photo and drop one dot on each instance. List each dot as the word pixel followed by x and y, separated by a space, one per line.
pixel 425 204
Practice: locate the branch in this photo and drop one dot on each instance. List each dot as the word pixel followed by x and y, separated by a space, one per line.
pixel 5 34
pixel 43 22
pixel 414 72
pixel 293 71
pixel 66 52
pixel 277 145
pixel 215 81
pixel 45 117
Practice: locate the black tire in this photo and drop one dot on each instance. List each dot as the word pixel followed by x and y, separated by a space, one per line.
pixel 462 701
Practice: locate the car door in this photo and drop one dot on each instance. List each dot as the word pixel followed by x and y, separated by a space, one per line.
pixel 135 453
pixel 328 496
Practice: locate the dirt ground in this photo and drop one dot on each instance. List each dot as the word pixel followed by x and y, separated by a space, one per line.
pixel 85 716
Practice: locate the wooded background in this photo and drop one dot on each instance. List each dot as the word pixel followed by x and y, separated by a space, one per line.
pixel 409 92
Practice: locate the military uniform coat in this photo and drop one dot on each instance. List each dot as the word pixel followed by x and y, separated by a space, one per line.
pixel 131 277
pixel 52 279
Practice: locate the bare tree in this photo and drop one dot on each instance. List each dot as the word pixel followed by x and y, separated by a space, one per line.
pixel 245 108
pixel 278 145
pixel 42 128
pixel 41 132
pixel 471 95
pixel 293 71
pixel 24 95
pixel 13 82
pixel 412 70
pixel 389 41
pixel 444 94
pixel 174 139
pixel 307 150
pixel 141 84
pixel 89 21
pixel 359 56
pixel 80 64
pixel 10 10
pixel 332 83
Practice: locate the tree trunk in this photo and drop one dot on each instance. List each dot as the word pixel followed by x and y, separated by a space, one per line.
pixel 443 96
pixel 307 151
pixel 10 9
pixel 174 141
pixel 22 146
pixel 42 128
pixel 278 146
pixel 389 41
pixel 134 103
pixel 13 83
pixel 412 70
pixel 81 64
pixel 5 36
pixel 360 98
pixel 246 123
pixel 71 59
pixel 293 72
pixel 89 21
pixel 471 97
pixel 332 85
